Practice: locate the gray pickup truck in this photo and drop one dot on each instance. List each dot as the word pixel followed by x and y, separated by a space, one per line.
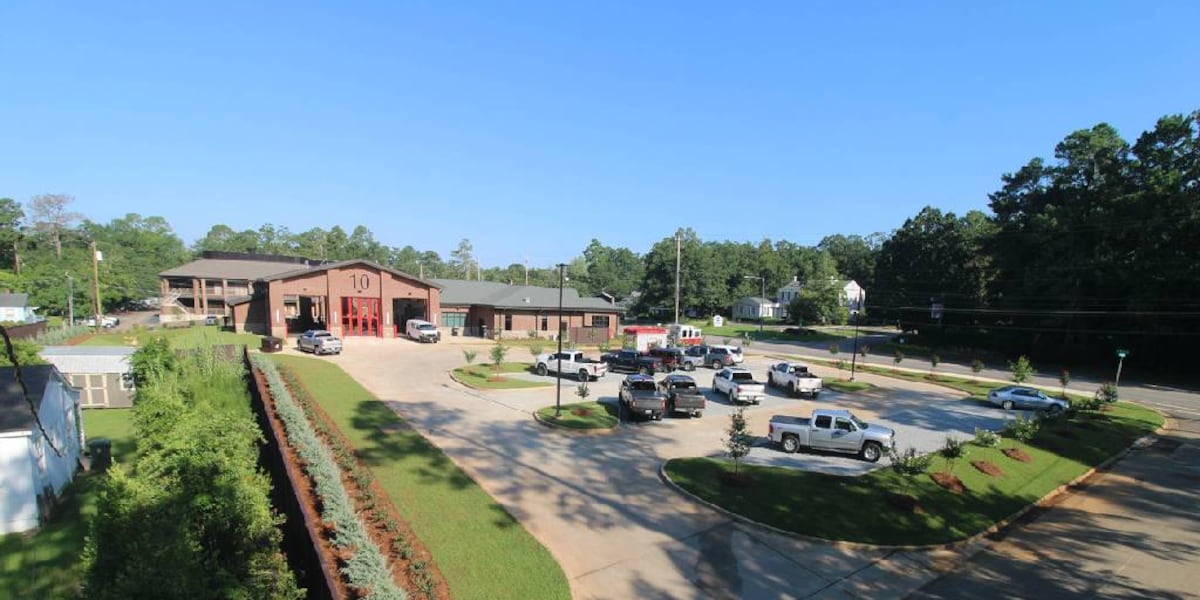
pixel 641 397
pixel 683 395
pixel 834 431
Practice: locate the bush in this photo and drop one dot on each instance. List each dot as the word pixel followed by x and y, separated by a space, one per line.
pixel 986 438
pixel 1021 369
pixel 976 365
pixel 953 449
pixel 1022 429
pixel 1107 392
pixel 909 464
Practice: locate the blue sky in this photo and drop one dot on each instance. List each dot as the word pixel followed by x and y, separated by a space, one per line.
pixel 532 127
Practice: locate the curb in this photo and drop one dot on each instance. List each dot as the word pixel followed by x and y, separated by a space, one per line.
pixel 573 430
pixel 974 539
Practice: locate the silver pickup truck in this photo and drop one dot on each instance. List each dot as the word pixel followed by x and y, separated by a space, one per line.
pixel 739 385
pixel 795 378
pixel 834 431
pixel 319 341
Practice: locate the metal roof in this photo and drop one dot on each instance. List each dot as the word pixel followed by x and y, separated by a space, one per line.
pixel 89 359
pixel 14 408
pixel 220 268
pixel 530 297
pixel 294 272
pixel 14 300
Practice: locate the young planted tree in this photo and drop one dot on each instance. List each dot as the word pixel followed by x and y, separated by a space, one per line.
pixel 583 391
pixel 833 349
pixel 976 366
pixel 737 437
pixel 934 361
pixel 1065 379
pixel 498 353
pixel 469 356
pixel 1021 369
pixel 897 358
pixel 952 450
pixel 535 350
pixel 908 465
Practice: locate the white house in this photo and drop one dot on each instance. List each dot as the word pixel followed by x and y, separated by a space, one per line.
pixel 752 307
pixel 14 309
pixel 853 295
pixel 102 373
pixel 32 468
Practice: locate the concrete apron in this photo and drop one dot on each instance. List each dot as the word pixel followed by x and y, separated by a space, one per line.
pixel 596 502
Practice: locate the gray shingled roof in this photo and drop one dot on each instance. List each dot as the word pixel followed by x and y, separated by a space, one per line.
pixel 216 268
pixel 14 300
pixel 14 409
pixel 88 359
pixel 489 293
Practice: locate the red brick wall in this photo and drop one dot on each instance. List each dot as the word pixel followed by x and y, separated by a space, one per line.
pixel 351 281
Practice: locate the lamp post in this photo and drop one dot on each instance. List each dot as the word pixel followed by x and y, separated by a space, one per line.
pixel 854 357
pixel 558 390
pixel 763 281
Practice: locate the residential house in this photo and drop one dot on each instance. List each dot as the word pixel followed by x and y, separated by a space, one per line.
pixel 35 466
pixel 14 308
pixel 752 307
pixel 512 311
pixel 851 293
pixel 102 373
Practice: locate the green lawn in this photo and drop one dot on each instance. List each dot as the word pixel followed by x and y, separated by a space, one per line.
pixel 842 385
pixel 581 415
pixel 184 337
pixel 481 550
pixel 855 509
pixel 45 564
pixel 481 377
pixel 737 333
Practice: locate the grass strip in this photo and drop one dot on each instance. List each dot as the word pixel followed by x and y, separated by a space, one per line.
pixel 855 509
pixel 580 415
pixel 843 385
pixel 484 377
pixel 481 550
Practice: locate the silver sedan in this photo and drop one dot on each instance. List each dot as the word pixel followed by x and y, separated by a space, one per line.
pixel 1015 396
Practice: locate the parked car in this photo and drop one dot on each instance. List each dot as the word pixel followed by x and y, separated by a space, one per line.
pixel 739 385
pixel 106 321
pixel 717 356
pixel 683 395
pixel 1016 396
pixel 631 360
pixel 795 378
pixel 674 358
pixel 641 397
pixel 319 341
pixel 832 430
pixel 573 362
pixel 422 331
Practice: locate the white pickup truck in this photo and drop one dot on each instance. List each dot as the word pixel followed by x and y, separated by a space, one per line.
pixel 739 385
pixel 795 378
pixel 832 430
pixel 573 362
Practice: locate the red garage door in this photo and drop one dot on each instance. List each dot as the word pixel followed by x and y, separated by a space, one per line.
pixel 360 316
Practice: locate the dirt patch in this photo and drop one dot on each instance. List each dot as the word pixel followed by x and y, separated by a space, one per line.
pixel 581 412
pixel 496 379
pixel 949 481
pixel 1017 454
pixel 737 480
pixel 905 503
pixel 987 468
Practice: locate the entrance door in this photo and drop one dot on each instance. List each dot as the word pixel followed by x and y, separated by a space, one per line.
pixel 360 316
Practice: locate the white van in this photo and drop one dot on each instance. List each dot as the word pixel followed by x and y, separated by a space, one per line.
pixel 422 331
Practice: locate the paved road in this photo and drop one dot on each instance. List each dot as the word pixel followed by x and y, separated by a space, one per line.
pixel 596 502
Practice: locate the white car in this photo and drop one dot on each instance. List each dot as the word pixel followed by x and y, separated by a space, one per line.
pixel 422 331
pixel 1015 396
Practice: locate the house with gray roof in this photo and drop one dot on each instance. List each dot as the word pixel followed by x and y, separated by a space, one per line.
pixel 35 466
pixel 14 308
pixel 513 311
pixel 102 374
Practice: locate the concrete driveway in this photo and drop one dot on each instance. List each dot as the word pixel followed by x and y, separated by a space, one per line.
pixel 598 505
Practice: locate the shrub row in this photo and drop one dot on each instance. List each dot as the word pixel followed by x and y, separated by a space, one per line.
pixel 366 568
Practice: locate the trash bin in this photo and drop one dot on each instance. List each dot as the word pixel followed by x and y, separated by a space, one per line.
pixel 453 331
pixel 484 331
pixel 100 451
pixel 272 344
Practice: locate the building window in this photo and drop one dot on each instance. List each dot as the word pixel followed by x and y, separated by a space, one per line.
pixel 600 321
pixel 126 380
pixel 508 322
pixel 545 323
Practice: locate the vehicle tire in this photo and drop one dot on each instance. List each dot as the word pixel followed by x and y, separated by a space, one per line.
pixel 689 366
pixel 790 444
pixel 698 414
pixel 643 371
pixel 872 452
pixel 1007 405
pixel 815 394
pixel 1054 410
pixel 731 397
pixel 583 376
pixel 716 365
pixel 541 370
pixel 795 391
pixel 670 408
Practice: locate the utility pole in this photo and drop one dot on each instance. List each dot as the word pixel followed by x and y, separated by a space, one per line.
pixel 96 281
pixel 677 262
pixel 558 369
pixel 70 300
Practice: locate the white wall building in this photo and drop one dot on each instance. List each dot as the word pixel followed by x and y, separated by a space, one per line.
pixel 853 296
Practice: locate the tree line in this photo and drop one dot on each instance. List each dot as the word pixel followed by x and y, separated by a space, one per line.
pixel 1078 254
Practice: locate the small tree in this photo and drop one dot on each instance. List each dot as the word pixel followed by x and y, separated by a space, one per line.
pixel 726 341
pixel 469 356
pixel 976 366
pixel 498 353
pixel 1065 379
pixel 582 391
pixel 909 464
pixel 986 438
pixel 897 358
pixel 934 361
pixel 535 350
pixel 604 346
pixel 531 334
pixel 863 350
pixel 1021 369
pixel 952 450
pixel 1022 429
pixel 737 437
pixel 833 349
pixel 841 365
pixel 1107 392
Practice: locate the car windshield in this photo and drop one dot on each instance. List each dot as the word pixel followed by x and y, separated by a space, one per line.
pixel 426 327
pixel 857 421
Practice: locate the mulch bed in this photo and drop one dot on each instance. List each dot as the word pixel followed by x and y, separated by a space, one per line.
pixel 949 481
pixel 581 412
pixel 376 518
pixel 987 468
pixel 738 480
pixel 1017 454
pixel 905 503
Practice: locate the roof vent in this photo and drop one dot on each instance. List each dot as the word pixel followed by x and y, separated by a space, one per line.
pixel 527 300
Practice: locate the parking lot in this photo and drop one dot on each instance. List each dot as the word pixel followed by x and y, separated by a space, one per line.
pixel 597 503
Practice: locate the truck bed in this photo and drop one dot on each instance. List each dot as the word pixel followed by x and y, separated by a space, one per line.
pixel 786 420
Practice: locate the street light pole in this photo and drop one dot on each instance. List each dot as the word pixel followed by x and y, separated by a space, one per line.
pixel 854 357
pixel 558 390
